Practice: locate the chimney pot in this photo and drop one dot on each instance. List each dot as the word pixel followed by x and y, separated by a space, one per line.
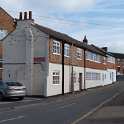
pixel 25 15
pixel 20 16
pixel 30 15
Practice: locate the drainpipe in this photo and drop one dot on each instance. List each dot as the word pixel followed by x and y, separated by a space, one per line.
pixel 84 69
pixel 72 71
pixel 63 68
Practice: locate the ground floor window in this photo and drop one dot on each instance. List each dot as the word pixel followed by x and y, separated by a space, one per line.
pixel 93 76
pixel 88 76
pixel 56 77
pixel 103 77
pixel 111 76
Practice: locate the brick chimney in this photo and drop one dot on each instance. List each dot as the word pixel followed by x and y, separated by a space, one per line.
pixel 85 41
pixel 25 15
pixel 105 49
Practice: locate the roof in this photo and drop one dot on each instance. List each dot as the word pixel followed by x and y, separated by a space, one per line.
pixel 97 49
pixel 118 55
pixel 9 23
pixel 68 39
pixel 7 13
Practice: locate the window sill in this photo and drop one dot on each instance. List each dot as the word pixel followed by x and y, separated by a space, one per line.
pixel 66 56
pixel 56 54
pixel 56 84
pixel 94 61
pixel 79 59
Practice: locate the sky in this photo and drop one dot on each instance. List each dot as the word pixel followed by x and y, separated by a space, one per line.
pixel 102 21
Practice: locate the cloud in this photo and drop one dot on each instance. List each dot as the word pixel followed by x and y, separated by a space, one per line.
pixel 14 2
pixel 101 21
pixel 60 5
pixel 72 5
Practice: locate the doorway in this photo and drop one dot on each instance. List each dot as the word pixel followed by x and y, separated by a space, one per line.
pixel 80 81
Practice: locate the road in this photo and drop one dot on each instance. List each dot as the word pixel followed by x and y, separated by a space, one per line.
pixel 69 110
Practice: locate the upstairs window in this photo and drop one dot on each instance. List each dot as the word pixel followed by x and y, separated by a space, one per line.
pixel 67 50
pixel 93 57
pixel 111 59
pixel 56 47
pixel 3 33
pixel 79 53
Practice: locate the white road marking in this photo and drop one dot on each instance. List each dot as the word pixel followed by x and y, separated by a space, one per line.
pixel 11 119
pixel 95 109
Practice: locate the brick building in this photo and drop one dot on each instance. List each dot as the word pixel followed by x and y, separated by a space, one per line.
pixel 119 63
pixel 7 25
pixel 51 63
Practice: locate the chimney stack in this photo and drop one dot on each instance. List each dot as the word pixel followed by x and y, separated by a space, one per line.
pixel 105 49
pixel 30 15
pixel 25 15
pixel 85 41
pixel 20 16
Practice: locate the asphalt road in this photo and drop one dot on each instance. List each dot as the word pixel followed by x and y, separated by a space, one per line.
pixel 63 110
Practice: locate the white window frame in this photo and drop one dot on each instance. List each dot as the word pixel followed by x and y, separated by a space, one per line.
pixel 56 77
pixel 79 53
pixel 66 50
pixel 88 76
pixel 93 57
pixel 93 76
pixel 56 48
pixel 110 59
pixel 3 33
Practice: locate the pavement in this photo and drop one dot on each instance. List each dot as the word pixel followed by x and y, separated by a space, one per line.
pixel 110 113
pixel 78 108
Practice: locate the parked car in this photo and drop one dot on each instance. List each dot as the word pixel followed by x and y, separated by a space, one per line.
pixel 12 90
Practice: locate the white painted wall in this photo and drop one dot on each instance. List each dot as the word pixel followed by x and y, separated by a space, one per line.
pixel 109 78
pixel 14 73
pixel 19 50
pixel 101 82
pixel 40 71
pixel 55 89
pixel 78 70
pixel 95 83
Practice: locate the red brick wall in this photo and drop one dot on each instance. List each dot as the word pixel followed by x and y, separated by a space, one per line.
pixel 6 21
pixel 53 58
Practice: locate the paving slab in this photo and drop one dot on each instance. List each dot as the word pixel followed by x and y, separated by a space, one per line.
pixel 109 112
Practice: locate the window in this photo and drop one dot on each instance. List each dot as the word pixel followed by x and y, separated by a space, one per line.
pixel 56 47
pixel 93 57
pixel 56 77
pixel 88 76
pixel 92 76
pixel 104 60
pixel 103 77
pixel 66 50
pixel 111 59
pixel 79 53
pixel 110 76
pixel 3 33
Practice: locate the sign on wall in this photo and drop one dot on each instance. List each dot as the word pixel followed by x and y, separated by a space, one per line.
pixel 39 59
